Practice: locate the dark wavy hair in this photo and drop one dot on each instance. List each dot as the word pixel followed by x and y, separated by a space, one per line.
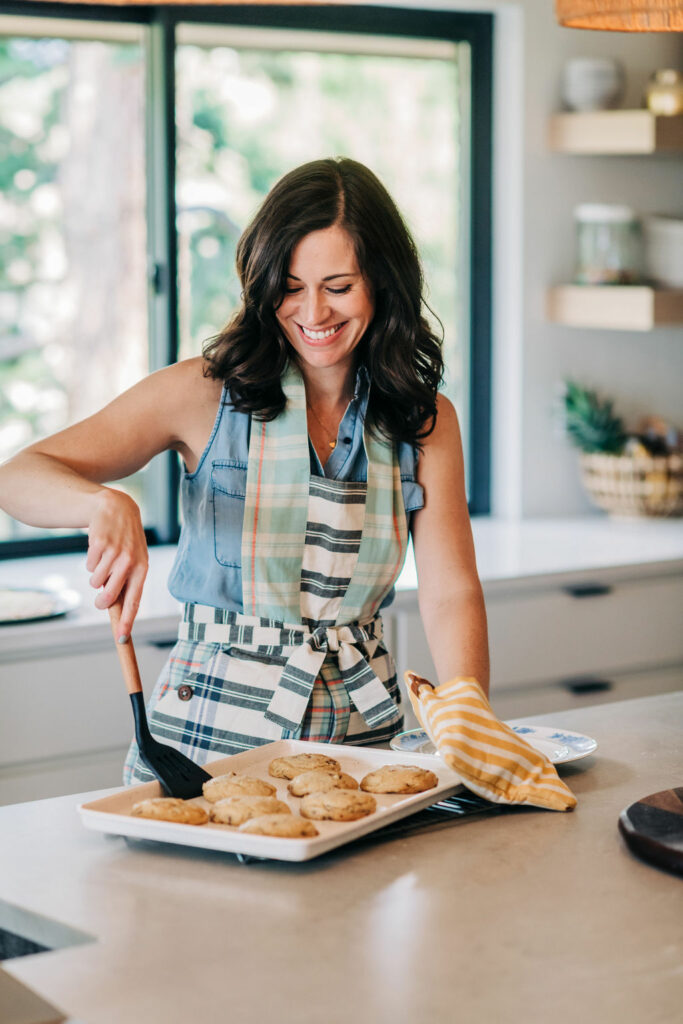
pixel 400 350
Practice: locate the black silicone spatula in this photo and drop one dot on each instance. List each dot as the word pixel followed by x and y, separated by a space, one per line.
pixel 653 828
pixel 178 775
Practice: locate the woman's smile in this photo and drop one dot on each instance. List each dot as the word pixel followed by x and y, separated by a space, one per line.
pixel 323 335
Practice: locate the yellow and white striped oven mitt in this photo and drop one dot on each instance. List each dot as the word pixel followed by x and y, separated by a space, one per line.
pixel 491 759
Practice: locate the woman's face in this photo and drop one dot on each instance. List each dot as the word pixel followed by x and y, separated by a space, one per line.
pixel 328 304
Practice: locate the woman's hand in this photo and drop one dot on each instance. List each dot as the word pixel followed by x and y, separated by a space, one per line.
pixel 117 555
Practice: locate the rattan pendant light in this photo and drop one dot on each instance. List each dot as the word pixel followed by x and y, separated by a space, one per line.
pixel 621 15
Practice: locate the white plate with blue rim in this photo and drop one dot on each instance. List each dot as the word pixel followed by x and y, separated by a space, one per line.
pixel 560 746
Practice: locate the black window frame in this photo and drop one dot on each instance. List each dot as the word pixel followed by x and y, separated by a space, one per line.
pixel 473 28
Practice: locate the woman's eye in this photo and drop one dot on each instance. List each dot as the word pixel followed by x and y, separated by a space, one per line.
pixel 292 291
pixel 340 291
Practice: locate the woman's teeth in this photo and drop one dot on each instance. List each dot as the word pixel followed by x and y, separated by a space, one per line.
pixel 321 335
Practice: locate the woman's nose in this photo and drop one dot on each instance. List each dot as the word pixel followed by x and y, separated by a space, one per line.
pixel 315 309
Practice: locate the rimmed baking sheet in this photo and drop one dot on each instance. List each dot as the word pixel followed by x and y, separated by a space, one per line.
pixel 112 813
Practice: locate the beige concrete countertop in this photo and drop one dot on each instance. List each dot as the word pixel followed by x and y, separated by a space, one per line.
pixel 527 917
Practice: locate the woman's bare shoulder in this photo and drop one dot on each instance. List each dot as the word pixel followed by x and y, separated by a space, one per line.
pixel 191 399
pixel 446 426
pixel 189 378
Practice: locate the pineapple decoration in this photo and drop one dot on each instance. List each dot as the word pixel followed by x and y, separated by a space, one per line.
pixel 590 422
pixel 625 473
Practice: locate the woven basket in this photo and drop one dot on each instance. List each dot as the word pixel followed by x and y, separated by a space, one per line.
pixel 627 485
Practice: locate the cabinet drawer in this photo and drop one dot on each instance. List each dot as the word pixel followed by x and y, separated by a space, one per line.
pixel 522 701
pixel 541 636
pixel 554 634
pixel 72 704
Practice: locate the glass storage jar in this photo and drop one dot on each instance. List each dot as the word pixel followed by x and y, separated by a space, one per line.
pixel 608 244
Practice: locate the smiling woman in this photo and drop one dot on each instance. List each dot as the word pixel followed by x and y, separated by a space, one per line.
pixel 291 542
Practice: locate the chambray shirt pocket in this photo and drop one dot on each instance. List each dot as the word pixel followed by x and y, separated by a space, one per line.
pixel 228 487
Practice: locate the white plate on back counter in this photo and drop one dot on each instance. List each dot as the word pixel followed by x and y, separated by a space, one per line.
pixel 559 745
pixel 113 813
pixel 31 604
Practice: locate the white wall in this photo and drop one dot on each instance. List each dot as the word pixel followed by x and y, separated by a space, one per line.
pixel 535 473
pixel 642 371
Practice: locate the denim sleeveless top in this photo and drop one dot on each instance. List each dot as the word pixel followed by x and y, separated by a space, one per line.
pixel 207 567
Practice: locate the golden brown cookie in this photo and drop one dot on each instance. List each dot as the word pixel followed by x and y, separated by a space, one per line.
pixel 338 805
pixel 398 778
pixel 235 810
pixel 170 808
pixel 234 784
pixel 286 826
pixel 319 780
pixel 295 764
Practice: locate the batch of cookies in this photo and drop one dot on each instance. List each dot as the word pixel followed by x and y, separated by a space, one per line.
pixel 326 793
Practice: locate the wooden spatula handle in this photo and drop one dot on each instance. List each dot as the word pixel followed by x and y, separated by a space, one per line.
pixel 126 652
pixel 415 682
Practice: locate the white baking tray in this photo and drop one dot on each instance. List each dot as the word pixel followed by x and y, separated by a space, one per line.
pixel 112 813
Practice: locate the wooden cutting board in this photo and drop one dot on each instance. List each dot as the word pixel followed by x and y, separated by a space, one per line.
pixel 653 829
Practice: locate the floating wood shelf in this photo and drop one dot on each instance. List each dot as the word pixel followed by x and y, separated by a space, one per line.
pixel 615 307
pixel 616 131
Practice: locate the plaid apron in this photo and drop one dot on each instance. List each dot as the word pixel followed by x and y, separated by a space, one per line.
pixel 305 660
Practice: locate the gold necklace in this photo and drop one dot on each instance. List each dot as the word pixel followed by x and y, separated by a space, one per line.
pixel 332 444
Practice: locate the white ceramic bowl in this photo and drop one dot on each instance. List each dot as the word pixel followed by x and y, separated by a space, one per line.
pixel 592 83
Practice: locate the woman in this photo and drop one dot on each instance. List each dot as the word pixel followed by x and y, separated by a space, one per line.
pixel 313 441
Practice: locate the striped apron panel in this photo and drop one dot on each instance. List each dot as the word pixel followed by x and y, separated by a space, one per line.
pixel 309 661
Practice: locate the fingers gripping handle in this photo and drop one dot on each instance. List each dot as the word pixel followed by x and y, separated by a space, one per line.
pixel 126 652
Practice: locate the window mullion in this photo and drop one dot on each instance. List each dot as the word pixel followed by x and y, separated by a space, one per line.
pixel 161 249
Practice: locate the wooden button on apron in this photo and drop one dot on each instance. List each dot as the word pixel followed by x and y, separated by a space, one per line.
pixel 185 692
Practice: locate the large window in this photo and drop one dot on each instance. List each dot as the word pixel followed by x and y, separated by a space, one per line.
pixel 73 319
pixel 135 148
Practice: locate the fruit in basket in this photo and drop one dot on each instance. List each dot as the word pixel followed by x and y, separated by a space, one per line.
pixel 659 436
pixel 636 448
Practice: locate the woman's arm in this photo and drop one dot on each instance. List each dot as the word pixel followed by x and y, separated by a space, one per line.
pixel 59 481
pixel 449 592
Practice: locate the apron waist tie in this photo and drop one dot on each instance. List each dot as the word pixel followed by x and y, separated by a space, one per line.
pixel 288 704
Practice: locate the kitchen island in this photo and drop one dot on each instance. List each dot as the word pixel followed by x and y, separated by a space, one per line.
pixel 529 916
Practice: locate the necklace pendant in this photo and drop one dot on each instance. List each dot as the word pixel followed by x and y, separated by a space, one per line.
pixel 332 444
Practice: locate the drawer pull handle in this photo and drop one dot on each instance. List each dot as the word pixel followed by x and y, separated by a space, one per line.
pixel 587 684
pixel 587 589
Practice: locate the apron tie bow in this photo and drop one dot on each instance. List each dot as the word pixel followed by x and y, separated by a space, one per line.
pixel 369 696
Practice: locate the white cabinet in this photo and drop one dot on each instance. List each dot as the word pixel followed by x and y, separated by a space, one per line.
pixel 554 648
pixel 66 721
